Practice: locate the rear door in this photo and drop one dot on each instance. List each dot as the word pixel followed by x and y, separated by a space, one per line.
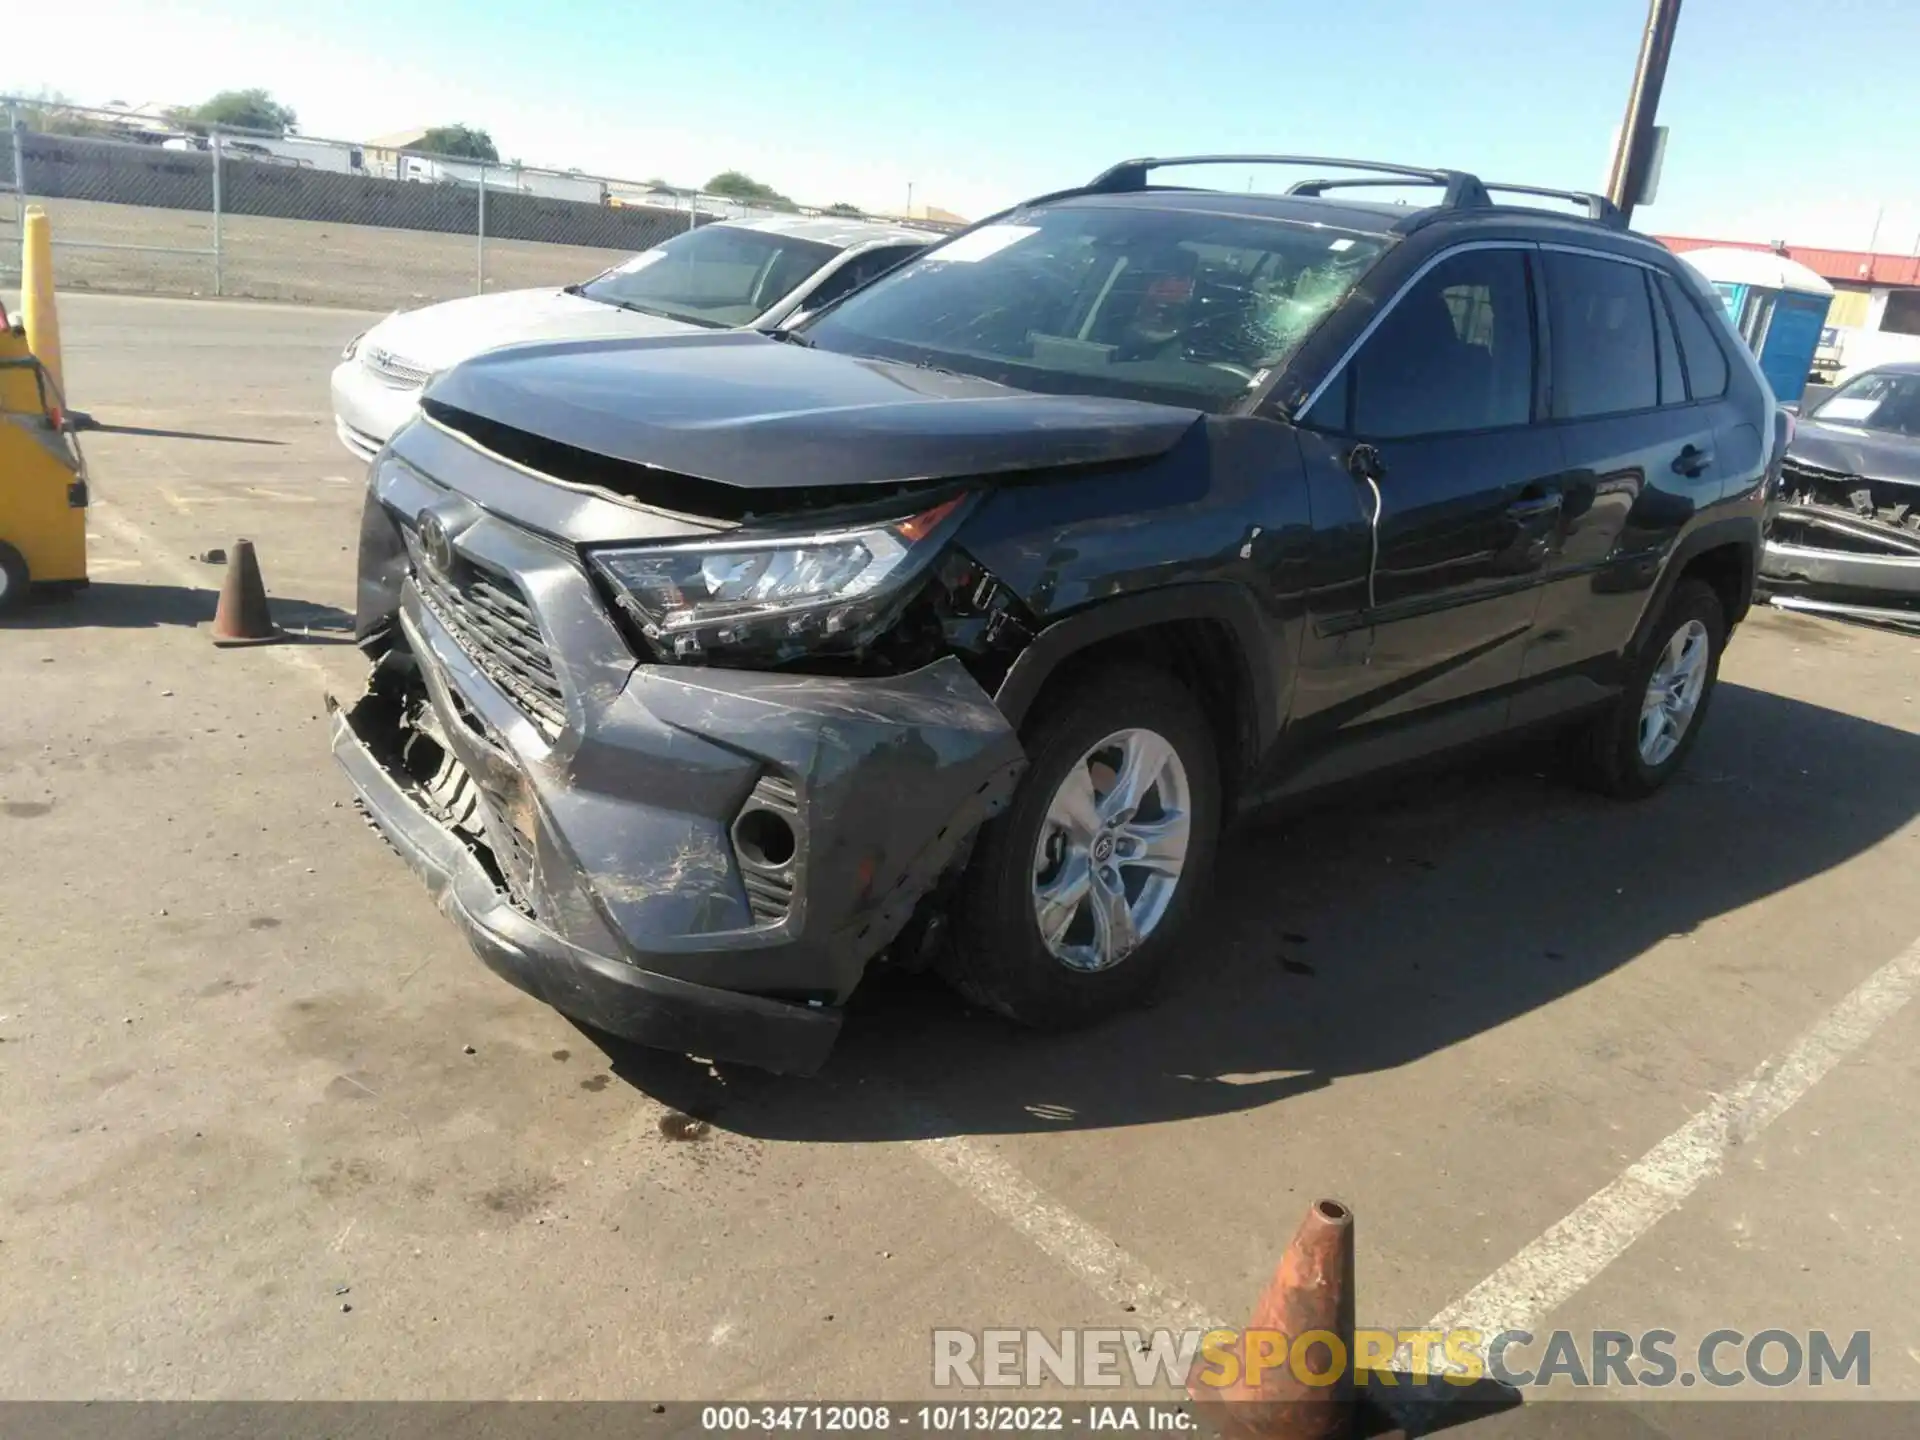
pixel 1637 389
pixel 1437 408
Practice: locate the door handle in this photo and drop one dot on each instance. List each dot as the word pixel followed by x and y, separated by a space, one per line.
pixel 1533 507
pixel 1692 462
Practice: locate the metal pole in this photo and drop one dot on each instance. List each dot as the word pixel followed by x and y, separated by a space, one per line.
pixel 213 144
pixel 480 242
pixel 1631 155
pixel 19 168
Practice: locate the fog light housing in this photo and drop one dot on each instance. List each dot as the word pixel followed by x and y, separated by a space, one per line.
pixel 769 847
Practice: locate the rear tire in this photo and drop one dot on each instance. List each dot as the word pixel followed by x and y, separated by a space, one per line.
pixel 1125 734
pixel 1638 743
pixel 14 579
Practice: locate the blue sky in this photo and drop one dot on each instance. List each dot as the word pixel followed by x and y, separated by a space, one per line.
pixel 1790 121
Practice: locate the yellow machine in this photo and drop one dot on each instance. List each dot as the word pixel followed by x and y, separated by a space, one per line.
pixel 43 487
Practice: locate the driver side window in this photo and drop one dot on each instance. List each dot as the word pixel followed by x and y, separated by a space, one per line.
pixel 1454 354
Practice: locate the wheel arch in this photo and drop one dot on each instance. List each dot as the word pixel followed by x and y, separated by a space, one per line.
pixel 1725 554
pixel 1210 636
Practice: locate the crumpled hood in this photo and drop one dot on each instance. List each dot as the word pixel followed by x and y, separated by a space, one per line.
pixel 437 336
pixel 740 409
pixel 1874 454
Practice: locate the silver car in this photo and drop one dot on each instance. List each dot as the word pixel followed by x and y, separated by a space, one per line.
pixel 758 273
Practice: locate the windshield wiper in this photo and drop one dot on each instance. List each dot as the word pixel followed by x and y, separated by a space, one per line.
pixel 646 310
pixel 790 337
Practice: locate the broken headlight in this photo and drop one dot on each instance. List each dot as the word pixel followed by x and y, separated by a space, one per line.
pixel 786 592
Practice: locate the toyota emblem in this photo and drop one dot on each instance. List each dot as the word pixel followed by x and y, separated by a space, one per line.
pixel 435 544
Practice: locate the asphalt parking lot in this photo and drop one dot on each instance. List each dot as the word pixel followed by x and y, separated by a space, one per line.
pixel 274 1133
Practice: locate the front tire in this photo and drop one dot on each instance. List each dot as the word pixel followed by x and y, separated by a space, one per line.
pixel 1638 743
pixel 1078 897
pixel 14 579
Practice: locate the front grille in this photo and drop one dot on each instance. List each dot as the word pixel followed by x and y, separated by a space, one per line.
pixel 490 619
pixel 394 370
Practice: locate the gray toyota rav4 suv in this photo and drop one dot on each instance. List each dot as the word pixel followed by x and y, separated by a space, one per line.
pixel 954 624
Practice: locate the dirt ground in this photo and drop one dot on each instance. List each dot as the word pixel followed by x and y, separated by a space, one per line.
pixel 271 1130
pixel 309 262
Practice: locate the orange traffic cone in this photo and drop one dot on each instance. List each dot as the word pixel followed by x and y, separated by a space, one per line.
pixel 1275 1388
pixel 242 617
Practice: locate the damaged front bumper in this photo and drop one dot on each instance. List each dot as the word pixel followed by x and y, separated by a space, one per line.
pixel 610 994
pixel 698 859
pixel 1844 540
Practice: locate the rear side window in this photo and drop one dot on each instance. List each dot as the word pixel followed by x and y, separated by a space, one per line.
pixel 1605 359
pixel 1454 354
pixel 1706 361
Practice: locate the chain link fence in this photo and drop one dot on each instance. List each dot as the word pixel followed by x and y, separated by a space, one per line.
pixel 139 203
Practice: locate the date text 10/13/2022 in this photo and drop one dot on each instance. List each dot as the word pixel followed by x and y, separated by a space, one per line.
pixel 944 1419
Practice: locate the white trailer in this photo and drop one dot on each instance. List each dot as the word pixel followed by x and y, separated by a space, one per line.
pixel 421 169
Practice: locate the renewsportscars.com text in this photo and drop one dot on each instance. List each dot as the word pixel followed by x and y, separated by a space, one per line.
pixel 1650 1359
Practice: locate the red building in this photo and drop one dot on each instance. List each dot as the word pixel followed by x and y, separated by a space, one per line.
pixel 1872 291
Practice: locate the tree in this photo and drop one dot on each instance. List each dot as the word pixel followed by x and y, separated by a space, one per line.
pixel 242 109
pixel 462 142
pixel 732 185
pixel 841 207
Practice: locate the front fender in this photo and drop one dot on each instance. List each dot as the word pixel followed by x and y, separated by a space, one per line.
pixel 1221 601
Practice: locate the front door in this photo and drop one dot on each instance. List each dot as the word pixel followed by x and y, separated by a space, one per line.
pixel 1430 428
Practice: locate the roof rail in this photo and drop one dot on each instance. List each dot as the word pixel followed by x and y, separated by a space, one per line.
pixel 1598 207
pixel 1462 189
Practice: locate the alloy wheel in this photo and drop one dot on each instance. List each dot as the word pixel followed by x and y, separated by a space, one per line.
pixel 1111 850
pixel 1673 692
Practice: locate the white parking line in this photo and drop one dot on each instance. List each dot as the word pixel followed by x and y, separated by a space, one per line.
pixel 1576 1249
pixel 1096 1257
pixel 1570 1255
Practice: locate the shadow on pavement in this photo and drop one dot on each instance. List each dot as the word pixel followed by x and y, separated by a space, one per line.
pixel 98 428
pixel 115 605
pixel 1360 936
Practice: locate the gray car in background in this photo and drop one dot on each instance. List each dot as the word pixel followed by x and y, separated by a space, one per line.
pixel 1844 530
pixel 758 273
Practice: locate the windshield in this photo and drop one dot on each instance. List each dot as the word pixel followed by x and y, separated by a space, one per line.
pixel 1170 305
pixel 1877 400
pixel 716 275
